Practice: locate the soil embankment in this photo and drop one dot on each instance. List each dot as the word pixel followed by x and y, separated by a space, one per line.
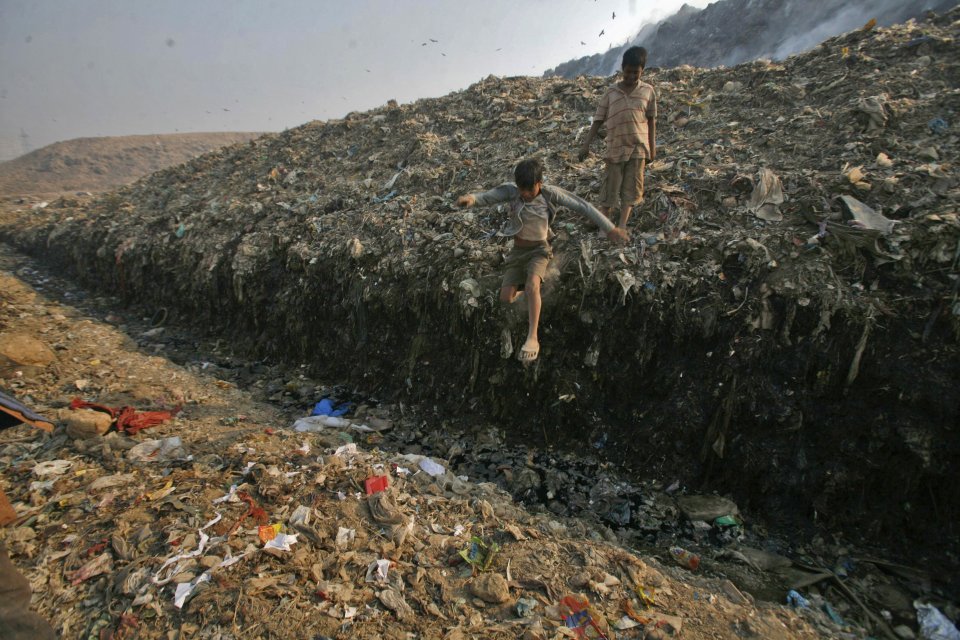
pixel 808 365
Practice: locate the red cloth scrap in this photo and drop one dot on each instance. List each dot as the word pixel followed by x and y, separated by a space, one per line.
pixel 128 419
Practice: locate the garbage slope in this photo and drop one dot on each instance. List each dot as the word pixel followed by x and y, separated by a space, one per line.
pixel 808 365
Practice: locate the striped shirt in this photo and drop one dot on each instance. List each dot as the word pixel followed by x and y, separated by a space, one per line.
pixel 626 116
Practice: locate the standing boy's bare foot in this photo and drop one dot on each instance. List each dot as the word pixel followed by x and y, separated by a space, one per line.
pixel 529 351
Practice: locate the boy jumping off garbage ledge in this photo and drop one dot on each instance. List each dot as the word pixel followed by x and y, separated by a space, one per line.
pixel 531 210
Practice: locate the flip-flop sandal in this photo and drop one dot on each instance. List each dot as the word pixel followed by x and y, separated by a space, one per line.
pixel 526 356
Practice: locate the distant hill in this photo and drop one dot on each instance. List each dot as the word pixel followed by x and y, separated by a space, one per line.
pixel 729 32
pixel 97 164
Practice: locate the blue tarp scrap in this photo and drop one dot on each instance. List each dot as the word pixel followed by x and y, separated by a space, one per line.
pixel 326 408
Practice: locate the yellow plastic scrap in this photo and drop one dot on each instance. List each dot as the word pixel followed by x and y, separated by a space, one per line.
pixel 479 555
pixel 491 552
pixel 162 492
pixel 646 595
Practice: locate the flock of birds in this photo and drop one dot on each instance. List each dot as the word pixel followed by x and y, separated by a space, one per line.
pixel 613 16
pixel 170 42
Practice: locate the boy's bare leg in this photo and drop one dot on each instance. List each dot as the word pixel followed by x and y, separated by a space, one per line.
pixel 509 294
pixel 606 211
pixel 531 348
pixel 624 216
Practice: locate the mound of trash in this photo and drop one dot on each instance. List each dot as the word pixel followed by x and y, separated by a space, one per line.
pixel 783 326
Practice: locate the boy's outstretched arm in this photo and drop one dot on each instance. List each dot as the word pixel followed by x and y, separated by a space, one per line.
pixel 563 198
pixel 503 193
pixel 585 149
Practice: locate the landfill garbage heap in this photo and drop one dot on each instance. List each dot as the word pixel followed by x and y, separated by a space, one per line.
pixel 783 325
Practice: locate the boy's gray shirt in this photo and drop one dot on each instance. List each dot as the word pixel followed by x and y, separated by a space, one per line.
pixel 555 197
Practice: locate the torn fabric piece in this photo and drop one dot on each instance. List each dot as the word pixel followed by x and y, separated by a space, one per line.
pixel 128 419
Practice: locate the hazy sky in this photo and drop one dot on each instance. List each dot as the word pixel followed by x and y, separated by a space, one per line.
pixel 73 68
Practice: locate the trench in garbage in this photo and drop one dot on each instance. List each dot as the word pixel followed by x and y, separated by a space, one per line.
pixel 674 397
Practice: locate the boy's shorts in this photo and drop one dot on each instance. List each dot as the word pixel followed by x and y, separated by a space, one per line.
pixel 623 183
pixel 523 262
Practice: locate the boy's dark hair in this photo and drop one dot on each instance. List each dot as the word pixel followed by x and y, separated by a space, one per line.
pixel 528 173
pixel 635 57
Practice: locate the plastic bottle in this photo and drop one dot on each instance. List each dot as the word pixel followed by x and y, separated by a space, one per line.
pixel 684 558
pixel 933 624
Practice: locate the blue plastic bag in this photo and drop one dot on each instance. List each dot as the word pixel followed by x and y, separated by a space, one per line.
pixel 797 601
pixel 326 408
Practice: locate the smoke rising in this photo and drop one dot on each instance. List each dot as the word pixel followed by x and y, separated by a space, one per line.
pixel 729 32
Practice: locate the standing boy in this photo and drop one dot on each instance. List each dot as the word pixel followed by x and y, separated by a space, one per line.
pixel 630 110
pixel 531 210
